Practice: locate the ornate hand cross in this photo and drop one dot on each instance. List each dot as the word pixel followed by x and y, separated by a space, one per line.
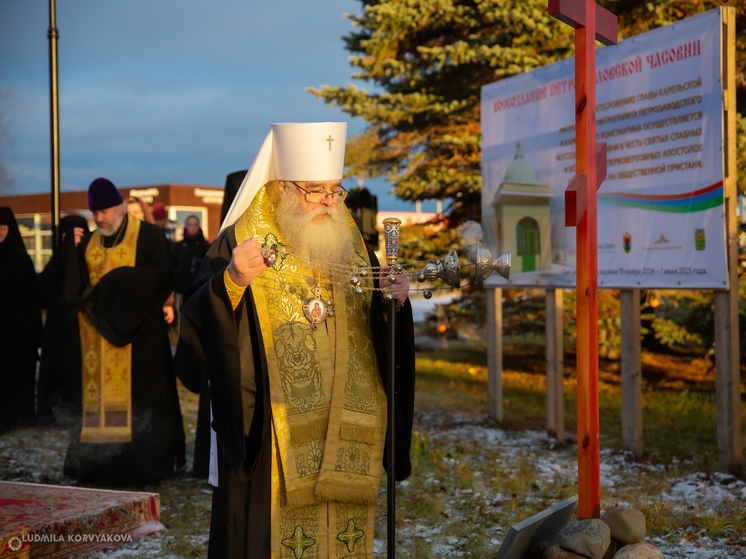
pixel 591 23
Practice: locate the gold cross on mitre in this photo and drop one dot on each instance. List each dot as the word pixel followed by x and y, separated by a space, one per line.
pixel 330 140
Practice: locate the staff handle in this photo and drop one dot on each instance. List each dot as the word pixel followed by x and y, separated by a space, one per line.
pixel 391 236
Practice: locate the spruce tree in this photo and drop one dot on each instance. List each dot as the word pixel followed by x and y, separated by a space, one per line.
pixel 427 60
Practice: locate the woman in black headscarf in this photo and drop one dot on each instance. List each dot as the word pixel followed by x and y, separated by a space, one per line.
pixel 59 391
pixel 20 326
pixel 188 254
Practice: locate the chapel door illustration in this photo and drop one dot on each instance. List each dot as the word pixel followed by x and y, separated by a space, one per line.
pixel 527 235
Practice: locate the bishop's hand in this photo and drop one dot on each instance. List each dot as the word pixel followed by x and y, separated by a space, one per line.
pixel 247 262
pixel 399 289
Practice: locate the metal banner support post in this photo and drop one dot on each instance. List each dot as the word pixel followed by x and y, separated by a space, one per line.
pixel 391 235
pixel 54 113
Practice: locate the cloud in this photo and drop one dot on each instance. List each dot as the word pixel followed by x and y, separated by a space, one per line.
pixel 168 91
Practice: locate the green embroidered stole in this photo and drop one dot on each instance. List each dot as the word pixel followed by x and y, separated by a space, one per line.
pixel 328 403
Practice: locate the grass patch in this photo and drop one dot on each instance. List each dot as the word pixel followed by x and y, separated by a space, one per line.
pixel 472 479
pixel 464 495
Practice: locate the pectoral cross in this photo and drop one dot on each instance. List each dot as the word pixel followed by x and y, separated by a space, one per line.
pixel 591 23
pixel 330 140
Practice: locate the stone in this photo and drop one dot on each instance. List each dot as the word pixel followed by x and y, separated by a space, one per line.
pixel 589 538
pixel 556 552
pixel 640 550
pixel 627 524
pixel 537 549
pixel 612 549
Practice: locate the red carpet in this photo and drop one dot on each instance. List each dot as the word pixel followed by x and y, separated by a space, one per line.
pixel 56 521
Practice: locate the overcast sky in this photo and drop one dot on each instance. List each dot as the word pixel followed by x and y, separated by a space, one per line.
pixel 167 91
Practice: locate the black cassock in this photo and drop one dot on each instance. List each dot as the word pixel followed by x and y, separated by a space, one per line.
pixel 126 307
pixel 59 388
pixel 229 343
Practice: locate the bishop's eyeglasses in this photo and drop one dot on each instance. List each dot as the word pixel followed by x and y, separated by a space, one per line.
pixel 318 196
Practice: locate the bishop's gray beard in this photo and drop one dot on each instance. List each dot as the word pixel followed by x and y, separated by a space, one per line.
pixel 326 240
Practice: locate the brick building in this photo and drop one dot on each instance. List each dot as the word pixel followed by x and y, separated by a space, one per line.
pixel 33 211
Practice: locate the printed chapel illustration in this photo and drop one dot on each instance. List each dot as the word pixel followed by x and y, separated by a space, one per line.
pixel 523 217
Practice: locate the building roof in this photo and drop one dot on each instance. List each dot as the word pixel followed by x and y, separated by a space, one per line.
pixel 519 171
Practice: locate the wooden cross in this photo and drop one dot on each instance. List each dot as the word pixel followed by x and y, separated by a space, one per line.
pixel 330 140
pixel 591 23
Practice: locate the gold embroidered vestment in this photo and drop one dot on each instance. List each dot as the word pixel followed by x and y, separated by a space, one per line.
pixel 328 403
pixel 107 369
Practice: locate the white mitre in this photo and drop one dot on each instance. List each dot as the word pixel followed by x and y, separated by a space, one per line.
pixel 294 151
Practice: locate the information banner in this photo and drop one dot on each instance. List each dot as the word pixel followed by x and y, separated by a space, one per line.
pixel 660 210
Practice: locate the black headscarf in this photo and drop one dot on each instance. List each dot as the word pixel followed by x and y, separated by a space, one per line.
pixel 69 222
pixel 14 234
pixel 232 184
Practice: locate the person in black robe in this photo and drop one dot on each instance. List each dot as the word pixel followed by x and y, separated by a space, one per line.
pixel 190 372
pixel 125 307
pixel 232 184
pixel 188 254
pixel 59 386
pixel 20 326
pixel 229 343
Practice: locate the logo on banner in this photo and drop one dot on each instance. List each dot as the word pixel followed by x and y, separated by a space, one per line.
pixel 662 240
pixel 627 238
pixel 699 239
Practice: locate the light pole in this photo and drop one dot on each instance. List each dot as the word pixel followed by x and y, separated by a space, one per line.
pixel 53 35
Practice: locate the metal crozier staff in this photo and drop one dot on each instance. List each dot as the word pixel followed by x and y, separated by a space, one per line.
pixel 391 236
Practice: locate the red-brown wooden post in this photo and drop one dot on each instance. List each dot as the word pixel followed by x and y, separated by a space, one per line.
pixel 591 22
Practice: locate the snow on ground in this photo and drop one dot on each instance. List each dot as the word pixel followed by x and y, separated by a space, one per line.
pixel 705 491
pixel 37 456
pixel 34 456
pixel 699 493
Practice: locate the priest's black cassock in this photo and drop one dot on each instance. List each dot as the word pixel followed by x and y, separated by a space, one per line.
pixel 230 345
pixel 125 306
pixel 189 370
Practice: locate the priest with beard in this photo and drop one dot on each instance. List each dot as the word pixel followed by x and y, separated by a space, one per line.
pixel 296 357
pixel 118 279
